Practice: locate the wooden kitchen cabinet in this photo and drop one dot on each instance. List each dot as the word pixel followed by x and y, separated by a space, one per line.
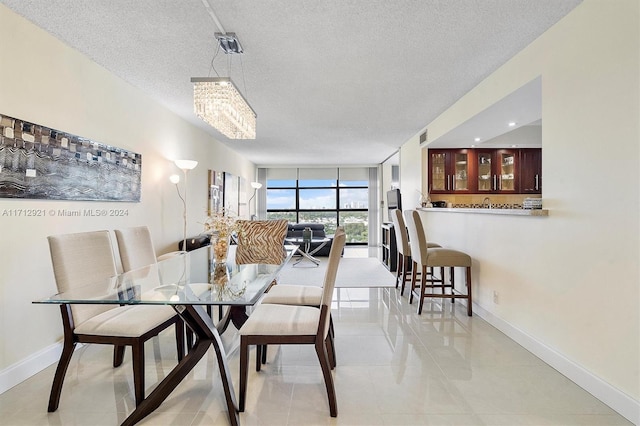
pixel 449 171
pixel 496 171
pixel 485 171
pixel 531 171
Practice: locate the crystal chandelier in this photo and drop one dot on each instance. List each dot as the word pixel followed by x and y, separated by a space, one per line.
pixel 217 101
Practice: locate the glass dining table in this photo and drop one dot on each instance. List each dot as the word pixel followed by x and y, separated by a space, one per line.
pixel 190 282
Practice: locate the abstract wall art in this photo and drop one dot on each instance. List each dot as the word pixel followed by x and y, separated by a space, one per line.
pixel 216 191
pixel 37 162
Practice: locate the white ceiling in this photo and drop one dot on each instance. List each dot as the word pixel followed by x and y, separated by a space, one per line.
pixel 333 82
pixel 523 107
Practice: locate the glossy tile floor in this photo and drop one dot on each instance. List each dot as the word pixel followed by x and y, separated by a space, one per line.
pixel 394 368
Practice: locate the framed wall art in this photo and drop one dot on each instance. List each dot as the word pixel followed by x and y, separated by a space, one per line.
pixel 37 162
pixel 231 194
pixel 216 191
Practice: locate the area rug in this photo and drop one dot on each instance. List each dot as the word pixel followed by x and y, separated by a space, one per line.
pixel 353 272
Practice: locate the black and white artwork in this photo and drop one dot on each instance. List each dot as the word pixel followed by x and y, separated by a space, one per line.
pixel 231 194
pixel 37 162
pixel 216 191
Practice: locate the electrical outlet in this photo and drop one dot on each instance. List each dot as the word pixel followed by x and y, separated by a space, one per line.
pixel 496 297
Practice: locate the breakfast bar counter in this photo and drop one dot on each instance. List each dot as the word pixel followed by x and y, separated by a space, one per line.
pixel 495 211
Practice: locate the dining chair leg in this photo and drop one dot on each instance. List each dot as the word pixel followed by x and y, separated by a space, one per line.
pixel 61 370
pixel 258 357
pixel 331 351
pixel 264 354
pixel 138 370
pixel 323 357
pixel 118 355
pixel 244 373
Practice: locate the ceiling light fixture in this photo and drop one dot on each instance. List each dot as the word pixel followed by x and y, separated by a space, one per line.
pixel 229 43
pixel 512 124
pixel 218 102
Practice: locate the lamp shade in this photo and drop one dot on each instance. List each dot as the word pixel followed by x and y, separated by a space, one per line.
pixel 186 164
pixel 256 185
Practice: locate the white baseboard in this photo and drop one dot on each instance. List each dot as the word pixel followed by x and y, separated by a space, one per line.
pixel 619 401
pixel 21 371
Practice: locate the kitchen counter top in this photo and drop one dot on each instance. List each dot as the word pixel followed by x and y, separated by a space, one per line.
pixel 507 212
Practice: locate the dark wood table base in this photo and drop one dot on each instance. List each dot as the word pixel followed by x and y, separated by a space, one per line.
pixel 196 317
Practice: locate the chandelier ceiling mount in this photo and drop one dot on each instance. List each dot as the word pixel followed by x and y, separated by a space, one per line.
pixel 216 100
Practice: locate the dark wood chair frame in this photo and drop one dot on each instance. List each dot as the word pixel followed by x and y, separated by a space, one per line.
pixel 324 350
pixel 404 273
pixel 137 345
pixel 426 283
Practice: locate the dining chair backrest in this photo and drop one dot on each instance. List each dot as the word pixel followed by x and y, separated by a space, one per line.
pixel 335 255
pixel 82 259
pixel 135 247
pixel 400 230
pixel 417 237
pixel 261 241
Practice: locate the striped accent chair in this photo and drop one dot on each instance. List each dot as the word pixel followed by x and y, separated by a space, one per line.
pixel 261 241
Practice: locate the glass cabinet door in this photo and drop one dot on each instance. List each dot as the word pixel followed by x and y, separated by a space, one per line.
pixel 485 174
pixel 507 171
pixel 461 169
pixel 438 162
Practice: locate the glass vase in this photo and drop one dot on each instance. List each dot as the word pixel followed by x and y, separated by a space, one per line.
pixel 220 248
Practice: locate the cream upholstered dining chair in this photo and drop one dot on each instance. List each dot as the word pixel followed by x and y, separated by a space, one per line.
pixel 136 250
pixel 290 324
pixel 424 257
pixel 85 259
pixel 299 295
pixel 404 249
pixel 261 241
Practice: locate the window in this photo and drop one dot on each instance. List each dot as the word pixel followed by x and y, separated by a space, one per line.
pixel 281 199
pixel 331 196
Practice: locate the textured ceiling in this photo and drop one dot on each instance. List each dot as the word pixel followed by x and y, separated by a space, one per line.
pixel 332 81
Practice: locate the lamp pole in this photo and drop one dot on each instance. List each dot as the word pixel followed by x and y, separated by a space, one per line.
pixel 255 186
pixel 185 166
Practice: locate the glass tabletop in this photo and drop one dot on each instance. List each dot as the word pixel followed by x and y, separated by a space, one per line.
pixel 191 278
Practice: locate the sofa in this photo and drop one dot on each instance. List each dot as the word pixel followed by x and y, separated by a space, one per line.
pixel 195 242
pixel 295 230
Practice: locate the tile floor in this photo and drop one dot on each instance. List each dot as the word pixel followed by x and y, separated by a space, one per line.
pixel 394 368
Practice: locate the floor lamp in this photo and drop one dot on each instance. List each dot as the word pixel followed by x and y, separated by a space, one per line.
pixel 185 166
pixel 255 186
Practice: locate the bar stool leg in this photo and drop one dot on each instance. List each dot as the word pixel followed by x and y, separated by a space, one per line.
pixel 405 272
pixel 399 269
pixel 413 281
pixel 453 284
pixel 468 283
pixel 423 288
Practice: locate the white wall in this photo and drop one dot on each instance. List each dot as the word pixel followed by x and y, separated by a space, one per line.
pixel 48 83
pixel 569 282
pixel 410 173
